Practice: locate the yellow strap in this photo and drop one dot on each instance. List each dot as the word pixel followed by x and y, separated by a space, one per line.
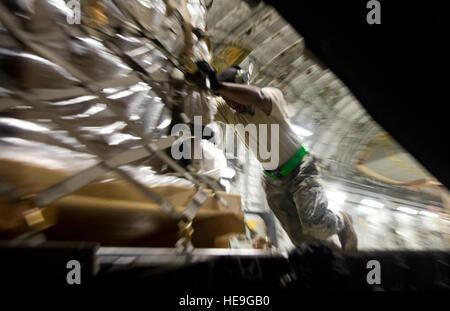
pixel 170 7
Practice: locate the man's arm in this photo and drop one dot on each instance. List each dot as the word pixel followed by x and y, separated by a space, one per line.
pixel 248 95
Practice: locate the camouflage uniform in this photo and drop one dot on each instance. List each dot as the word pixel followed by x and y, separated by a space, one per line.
pixel 299 202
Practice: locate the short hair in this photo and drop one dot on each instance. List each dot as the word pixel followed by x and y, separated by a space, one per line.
pixel 228 74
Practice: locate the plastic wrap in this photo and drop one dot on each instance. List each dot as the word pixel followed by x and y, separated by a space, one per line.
pixel 84 106
pixel 95 60
pixel 28 71
pixel 107 81
pixel 152 16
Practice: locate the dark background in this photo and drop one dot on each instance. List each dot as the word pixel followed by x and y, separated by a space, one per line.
pixel 398 70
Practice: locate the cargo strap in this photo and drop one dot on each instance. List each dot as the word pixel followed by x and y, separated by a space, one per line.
pixel 185 229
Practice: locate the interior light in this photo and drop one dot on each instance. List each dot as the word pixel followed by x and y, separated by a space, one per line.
pixel 372 203
pixel 336 196
pixel 407 210
pixel 429 214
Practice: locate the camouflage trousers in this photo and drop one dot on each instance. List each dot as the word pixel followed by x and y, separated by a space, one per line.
pixel 299 202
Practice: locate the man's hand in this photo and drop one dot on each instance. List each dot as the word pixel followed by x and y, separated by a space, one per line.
pixel 211 73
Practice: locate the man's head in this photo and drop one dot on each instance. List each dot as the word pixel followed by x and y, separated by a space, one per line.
pixel 230 75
